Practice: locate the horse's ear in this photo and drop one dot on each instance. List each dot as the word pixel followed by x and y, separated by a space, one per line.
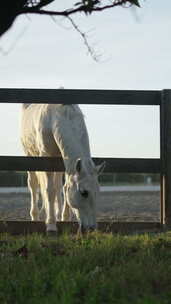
pixel 100 168
pixel 78 165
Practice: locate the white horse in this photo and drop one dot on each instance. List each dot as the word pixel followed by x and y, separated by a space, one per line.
pixel 60 130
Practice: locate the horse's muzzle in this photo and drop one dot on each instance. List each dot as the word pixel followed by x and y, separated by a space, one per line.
pixel 87 229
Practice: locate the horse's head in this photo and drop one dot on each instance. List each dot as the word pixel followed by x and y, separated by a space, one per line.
pixel 82 192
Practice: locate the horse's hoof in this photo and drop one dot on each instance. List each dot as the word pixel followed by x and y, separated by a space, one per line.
pixel 86 230
pixel 51 230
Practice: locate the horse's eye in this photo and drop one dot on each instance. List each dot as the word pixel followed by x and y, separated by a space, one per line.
pixel 84 193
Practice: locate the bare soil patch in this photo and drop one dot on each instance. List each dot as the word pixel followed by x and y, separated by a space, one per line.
pixel 113 206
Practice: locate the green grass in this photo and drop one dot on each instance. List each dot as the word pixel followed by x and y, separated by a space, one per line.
pixel 96 269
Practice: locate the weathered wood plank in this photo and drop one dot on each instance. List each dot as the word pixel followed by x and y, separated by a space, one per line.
pixel 26 227
pixel 162 158
pixel 117 165
pixel 166 155
pixel 67 96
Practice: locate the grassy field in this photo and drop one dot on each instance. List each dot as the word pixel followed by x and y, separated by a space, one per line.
pixel 97 268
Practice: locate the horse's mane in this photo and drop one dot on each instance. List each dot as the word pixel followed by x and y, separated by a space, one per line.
pixel 25 105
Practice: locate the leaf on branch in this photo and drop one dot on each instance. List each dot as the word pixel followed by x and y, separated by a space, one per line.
pixel 78 3
pixel 87 5
pixel 38 3
pixel 135 2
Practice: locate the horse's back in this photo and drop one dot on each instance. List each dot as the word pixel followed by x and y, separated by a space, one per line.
pixel 43 125
pixel 36 130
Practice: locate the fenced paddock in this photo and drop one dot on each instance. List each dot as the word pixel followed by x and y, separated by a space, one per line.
pixel 161 166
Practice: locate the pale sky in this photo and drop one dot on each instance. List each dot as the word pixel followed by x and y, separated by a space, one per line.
pixel 135 53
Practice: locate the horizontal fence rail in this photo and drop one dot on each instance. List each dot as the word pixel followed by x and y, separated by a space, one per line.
pixel 68 96
pixel 117 165
pixel 26 227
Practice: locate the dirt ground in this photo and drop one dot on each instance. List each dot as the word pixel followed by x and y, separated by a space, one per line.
pixel 113 206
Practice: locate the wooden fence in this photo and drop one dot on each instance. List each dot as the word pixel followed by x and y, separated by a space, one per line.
pixel 113 165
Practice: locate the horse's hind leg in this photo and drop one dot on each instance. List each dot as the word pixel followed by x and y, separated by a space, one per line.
pixel 34 191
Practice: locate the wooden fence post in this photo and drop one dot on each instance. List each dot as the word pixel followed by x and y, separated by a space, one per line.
pixel 162 161
pixel 166 155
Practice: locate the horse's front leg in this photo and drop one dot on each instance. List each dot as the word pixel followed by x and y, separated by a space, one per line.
pixel 34 191
pixel 66 212
pixel 49 193
pixel 59 195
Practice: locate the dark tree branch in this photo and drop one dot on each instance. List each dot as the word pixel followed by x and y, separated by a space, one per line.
pixel 85 39
pixel 81 8
pixel 9 10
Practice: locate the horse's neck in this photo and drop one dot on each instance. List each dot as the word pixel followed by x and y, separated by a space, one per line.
pixel 73 150
pixel 72 138
pixel 25 105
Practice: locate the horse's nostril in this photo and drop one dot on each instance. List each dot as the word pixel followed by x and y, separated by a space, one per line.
pixel 84 193
pixel 91 229
pixel 83 229
pixel 87 229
